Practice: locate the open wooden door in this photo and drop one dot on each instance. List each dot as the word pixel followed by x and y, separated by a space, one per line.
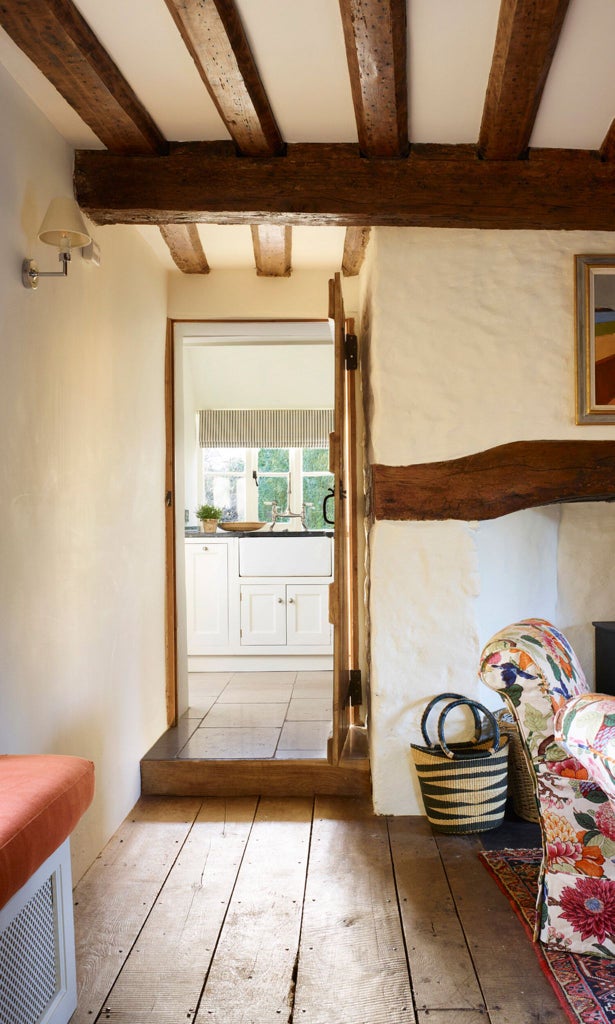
pixel 343 596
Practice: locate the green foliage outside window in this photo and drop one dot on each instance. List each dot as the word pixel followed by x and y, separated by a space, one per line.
pixel 271 488
pixel 273 460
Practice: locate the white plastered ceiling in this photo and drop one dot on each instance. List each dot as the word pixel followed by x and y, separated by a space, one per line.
pixel 299 51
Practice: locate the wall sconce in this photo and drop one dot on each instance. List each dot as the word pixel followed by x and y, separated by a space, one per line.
pixel 63 226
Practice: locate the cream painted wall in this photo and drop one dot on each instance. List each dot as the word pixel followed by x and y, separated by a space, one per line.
pixel 469 343
pixel 82 510
pixel 235 294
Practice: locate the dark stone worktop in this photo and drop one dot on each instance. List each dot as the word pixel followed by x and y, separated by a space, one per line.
pixel 193 533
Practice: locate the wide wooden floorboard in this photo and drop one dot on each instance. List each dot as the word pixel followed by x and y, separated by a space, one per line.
pixel 116 895
pixel 262 910
pixel 432 929
pixel 514 987
pixel 252 978
pixel 352 963
pixel 183 928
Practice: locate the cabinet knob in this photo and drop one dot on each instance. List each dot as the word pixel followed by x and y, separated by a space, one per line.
pixel 291 600
pixel 280 600
pixel 205 548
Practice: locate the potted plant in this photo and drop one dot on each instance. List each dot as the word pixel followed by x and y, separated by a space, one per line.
pixel 208 517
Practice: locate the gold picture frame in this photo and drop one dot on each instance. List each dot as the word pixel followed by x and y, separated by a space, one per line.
pixel 595 349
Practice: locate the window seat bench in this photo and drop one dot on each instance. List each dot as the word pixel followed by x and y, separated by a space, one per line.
pixel 42 798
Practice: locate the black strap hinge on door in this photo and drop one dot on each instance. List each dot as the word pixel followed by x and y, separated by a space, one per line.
pixel 351 351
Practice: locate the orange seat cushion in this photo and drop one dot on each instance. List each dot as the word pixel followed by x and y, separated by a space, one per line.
pixel 42 797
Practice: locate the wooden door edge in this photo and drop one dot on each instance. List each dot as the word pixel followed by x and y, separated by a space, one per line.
pixel 170 604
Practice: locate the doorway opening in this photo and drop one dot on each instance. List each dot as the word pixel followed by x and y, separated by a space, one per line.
pixel 255 677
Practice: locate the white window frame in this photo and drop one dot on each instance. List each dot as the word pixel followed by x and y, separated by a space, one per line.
pixel 295 476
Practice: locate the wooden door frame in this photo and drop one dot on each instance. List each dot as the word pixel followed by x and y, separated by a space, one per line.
pixel 171 646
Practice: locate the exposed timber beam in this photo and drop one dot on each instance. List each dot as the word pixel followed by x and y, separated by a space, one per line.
pixel 272 249
pixel 437 186
pixel 54 35
pixel 185 247
pixel 214 35
pixel 527 35
pixel 355 244
pixel 375 37
pixel 510 477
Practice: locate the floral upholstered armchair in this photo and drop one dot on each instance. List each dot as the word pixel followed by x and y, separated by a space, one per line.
pixel 533 667
pixel 585 727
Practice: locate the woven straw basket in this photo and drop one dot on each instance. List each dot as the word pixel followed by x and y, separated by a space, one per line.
pixel 463 785
pixel 520 781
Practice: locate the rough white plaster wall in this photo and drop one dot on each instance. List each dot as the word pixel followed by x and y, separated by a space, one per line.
pixel 81 501
pixel 423 642
pixel 473 340
pixel 517 568
pixel 586 581
pixel 471 344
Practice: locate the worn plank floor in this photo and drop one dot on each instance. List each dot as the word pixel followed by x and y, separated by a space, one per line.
pixel 259 911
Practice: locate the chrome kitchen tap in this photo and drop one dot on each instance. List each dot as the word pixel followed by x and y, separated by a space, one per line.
pixel 275 514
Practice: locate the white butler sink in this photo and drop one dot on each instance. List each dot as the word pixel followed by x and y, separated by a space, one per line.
pixel 285 556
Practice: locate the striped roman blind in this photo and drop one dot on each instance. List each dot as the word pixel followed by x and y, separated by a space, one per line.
pixel 265 428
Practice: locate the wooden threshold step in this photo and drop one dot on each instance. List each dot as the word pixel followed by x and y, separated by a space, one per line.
pixel 183 777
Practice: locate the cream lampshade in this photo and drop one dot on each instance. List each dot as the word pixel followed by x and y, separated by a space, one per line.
pixel 63 226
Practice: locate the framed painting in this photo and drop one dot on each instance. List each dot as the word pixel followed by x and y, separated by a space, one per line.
pixel 595 351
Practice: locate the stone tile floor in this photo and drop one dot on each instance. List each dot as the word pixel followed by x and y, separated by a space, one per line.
pixel 253 716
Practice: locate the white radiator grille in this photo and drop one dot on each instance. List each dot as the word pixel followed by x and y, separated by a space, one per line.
pixel 29 970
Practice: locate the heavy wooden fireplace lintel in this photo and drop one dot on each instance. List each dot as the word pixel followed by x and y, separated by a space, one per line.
pixel 507 478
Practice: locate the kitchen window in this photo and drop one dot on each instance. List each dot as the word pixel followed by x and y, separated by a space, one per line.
pixel 244 482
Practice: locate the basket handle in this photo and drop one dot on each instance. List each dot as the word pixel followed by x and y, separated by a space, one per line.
pixel 449 696
pixel 475 707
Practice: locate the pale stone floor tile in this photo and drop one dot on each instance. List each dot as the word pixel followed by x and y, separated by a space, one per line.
pixel 310 709
pixel 234 715
pixel 268 678
pixel 199 707
pixel 304 735
pixel 231 744
pixel 260 695
pixel 326 676
pixel 313 689
pixel 207 684
pixel 173 739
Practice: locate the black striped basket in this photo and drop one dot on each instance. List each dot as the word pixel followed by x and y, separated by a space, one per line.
pixel 463 785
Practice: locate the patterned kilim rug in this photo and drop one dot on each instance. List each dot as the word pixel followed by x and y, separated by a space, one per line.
pixel 585 985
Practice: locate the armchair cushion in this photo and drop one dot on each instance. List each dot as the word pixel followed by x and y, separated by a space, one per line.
pixel 585 727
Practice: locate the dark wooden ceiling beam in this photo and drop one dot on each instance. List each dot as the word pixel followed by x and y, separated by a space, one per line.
pixel 527 35
pixel 54 35
pixel 272 249
pixel 355 245
pixel 214 35
pixel 185 247
pixel 375 37
pixel 496 482
pixel 437 186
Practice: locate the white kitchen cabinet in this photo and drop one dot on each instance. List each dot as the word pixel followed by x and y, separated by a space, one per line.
pixel 207 596
pixel 291 615
pixel 274 621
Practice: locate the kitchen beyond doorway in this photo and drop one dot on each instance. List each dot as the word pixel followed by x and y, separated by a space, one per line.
pixel 256 715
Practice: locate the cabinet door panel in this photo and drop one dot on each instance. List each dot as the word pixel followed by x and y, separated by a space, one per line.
pixel 207 597
pixel 308 614
pixel 263 614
